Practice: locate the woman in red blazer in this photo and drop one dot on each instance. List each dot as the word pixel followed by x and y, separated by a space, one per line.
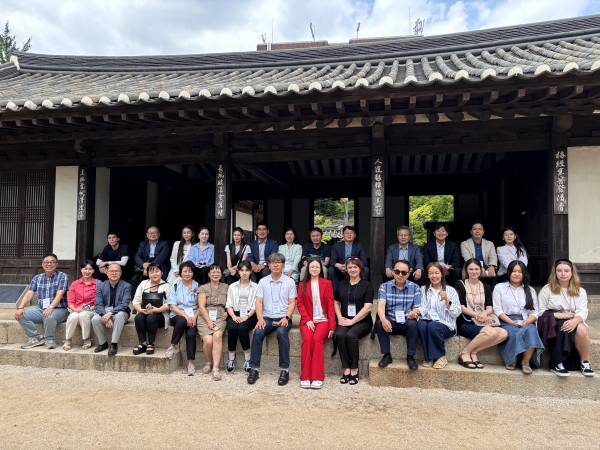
pixel 317 323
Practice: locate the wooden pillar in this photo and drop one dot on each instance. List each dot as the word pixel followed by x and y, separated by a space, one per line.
pixel 86 203
pixel 223 204
pixel 558 208
pixel 378 181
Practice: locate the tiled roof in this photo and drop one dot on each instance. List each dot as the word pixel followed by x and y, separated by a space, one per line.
pixel 34 81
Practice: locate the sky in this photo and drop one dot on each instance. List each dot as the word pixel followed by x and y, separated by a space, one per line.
pixel 157 27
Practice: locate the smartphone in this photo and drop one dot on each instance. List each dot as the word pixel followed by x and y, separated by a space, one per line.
pixel 87 308
pixel 519 323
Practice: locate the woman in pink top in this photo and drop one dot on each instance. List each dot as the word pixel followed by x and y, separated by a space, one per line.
pixel 82 295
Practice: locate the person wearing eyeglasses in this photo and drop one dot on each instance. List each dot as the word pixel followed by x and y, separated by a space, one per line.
pixel 563 308
pixel 340 254
pixel 398 308
pixel 407 251
pixel 153 249
pixel 516 304
pixel 51 309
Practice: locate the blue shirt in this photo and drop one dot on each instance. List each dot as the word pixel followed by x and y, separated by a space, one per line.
pixel 183 297
pixel 395 299
pixel 152 248
pixel 324 251
pixel 276 295
pixel 48 288
pixel 347 251
pixel 205 256
pixel 479 253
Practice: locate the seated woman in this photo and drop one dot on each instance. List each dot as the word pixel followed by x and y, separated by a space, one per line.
pixel 476 303
pixel 183 301
pixel 202 255
pixel 439 309
pixel 180 252
pixel 317 323
pixel 353 304
pixel 516 304
pixel 292 251
pixel 149 318
pixel 512 251
pixel 81 298
pixel 236 252
pixel 212 298
pixel 241 301
pixel 570 347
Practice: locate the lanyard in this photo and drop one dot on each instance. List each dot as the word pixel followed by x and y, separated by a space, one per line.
pixel 214 298
pixel 569 300
pixel 512 291
pixel 355 289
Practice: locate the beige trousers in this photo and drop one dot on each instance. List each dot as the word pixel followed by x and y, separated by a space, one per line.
pixel 84 319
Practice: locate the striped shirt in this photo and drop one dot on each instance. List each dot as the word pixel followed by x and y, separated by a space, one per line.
pixel 396 299
pixel 431 305
pixel 48 287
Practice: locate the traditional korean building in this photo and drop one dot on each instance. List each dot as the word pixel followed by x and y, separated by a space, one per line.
pixel 502 119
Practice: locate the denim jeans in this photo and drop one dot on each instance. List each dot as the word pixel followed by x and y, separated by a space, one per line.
pixel 34 316
pixel 282 339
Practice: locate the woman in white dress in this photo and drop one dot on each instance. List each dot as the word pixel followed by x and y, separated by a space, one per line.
pixel 180 251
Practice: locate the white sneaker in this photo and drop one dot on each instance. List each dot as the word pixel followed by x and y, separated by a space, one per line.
pixel 316 385
pixel 170 352
pixel 586 369
pixel 305 384
pixel 231 365
pixel 191 369
pixel 560 371
pixel 247 367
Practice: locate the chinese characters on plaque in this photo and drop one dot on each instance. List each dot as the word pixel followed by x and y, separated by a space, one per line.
pixel 378 187
pixel 561 203
pixel 82 194
pixel 221 193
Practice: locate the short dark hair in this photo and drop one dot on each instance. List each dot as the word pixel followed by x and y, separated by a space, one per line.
pixel 114 234
pixel 154 265
pixel 190 265
pixel 214 266
pixel 245 264
pixel 152 226
pixel 349 227
pixel 240 229
pixel 261 223
pixel 87 262
pixel 403 261
pixel 477 222
pixel 439 225
pixel 317 229
pixel 296 241
pixel 50 254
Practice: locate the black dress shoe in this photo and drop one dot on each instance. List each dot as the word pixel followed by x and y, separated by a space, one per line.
pixel 412 363
pixel 253 376
pixel 284 377
pixel 114 348
pixel 386 360
pixel 101 348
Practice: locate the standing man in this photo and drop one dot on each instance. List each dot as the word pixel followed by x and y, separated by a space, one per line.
pixel 112 309
pixel 51 310
pixel 397 309
pixel 341 252
pixel 275 303
pixel 483 250
pixel 444 252
pixel 153 249
pixel 114 252
pixel 316 248
pixel 407 251
pixel 260 250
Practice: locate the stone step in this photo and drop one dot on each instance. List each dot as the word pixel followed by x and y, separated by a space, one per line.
pixel 77 359
pixel 493 379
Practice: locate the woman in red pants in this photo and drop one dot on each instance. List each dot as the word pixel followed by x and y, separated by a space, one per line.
pixel 317 323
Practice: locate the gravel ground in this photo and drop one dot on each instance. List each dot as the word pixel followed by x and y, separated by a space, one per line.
pixel 64 409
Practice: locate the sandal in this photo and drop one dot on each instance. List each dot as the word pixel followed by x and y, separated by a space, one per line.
pixel 345 378
pixel 216 375
pixel 150 349
pixel 141 348
pixel 470 364
pixel 512 365
pixel 428 364
pixel 206 368
pixel 526 368
pixel 353 379
pixel 477 363
pixel 67 346
pixel 87 344
pixel 440 363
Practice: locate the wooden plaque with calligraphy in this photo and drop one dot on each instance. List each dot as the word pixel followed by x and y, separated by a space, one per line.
pixel 82 177
pixel 378 187
pixel 221 192
pixel 561 185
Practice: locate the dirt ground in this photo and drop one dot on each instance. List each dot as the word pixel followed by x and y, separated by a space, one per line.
pixel 64 409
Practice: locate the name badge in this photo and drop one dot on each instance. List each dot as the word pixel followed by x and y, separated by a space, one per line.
pixel 212 314
pixel 275 306
pixel 243 311
pixel 315 310
pixel 351 310
pixel 434 315
pixel 287 267
pixel 400 317
pixel 189 312
pixel 46 302
pixel 108 309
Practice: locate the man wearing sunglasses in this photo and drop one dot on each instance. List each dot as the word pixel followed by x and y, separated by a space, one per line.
pixel 397 309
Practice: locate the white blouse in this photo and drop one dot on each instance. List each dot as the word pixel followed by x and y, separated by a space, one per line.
pixel 508 254
pixel 563 301
pixel 511 301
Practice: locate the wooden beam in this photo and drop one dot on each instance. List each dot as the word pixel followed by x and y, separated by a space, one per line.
pixel 301 124
pixel 168 116
pixel 516 96
pixel 294 110
pixel 484 115
pixel 457 116
pixel 411 119
pixel 41 123
pixel 7 124
pixel 257 127
pixel 439 98
pixel 562 124
pixel 593 92
pixel 241 128
pixel 94 119
pixel 184 115
pixel 323 123
pixel 463 99
pixel 132 118
pixel 249 112
pixel 343 122
pixel 341 108
pixel 572 92
pixel 299 155
pixel 412 102
pixel 271 173
pixel 545 94
pixel 23 123
pixel 433 117
pixel 364 105
pixel 388 120
pixel 271 111
pixel 149 118
pixel 367 121
pixel 207 114
pixel 280 126
pixel 387 103
pixel 561 110
pixel 490 97
pixel 587 110
pixel 504 113
pixel 530 112
pixel 229 113
pixel 113 119
pixel 316 108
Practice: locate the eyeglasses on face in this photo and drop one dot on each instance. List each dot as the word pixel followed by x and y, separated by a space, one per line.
pixel 49 263
pixel 401 272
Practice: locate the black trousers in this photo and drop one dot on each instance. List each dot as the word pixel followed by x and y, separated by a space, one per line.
pixel 231 279
pixel 179 327
pixel 239 330
pixel 147 326
pixel 257 276
pixel 201 275
pixel 347 341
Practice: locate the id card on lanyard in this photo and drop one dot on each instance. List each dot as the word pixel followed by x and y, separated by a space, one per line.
pixel 315 309
pixel 212 315
pixel 352 306
pixel 243 311
pixel 46 302
pixel 400 316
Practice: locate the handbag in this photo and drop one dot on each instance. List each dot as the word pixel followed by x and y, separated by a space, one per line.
pixel 226 272
pixel 156 299
pixel 561 315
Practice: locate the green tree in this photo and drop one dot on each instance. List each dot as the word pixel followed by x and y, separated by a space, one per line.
pixel 8 42
pixel 322 223
pixel 328 207
pixel 423 209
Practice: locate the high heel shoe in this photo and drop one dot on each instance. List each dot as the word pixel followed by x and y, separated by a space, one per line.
pixel 353 379
pixel 345 378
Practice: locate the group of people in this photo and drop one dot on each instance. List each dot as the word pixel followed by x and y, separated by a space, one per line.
pixel 264 283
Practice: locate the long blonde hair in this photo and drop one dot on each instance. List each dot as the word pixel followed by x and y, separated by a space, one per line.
pixel 574 283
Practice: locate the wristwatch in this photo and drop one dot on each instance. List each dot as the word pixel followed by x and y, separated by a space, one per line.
pixel 51 306
pixel 288 318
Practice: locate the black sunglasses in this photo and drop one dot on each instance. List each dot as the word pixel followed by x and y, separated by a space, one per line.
pixel 401 272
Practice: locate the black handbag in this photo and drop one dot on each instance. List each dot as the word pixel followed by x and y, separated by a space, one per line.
pixel 155 299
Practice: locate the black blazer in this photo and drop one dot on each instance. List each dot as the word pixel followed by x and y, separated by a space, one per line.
pixel 161 255
pixel 339 251
pixel 451 253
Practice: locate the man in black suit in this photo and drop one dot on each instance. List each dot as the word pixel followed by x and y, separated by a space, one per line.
pixel 341 252
pixel 444 252
pixel 153 249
